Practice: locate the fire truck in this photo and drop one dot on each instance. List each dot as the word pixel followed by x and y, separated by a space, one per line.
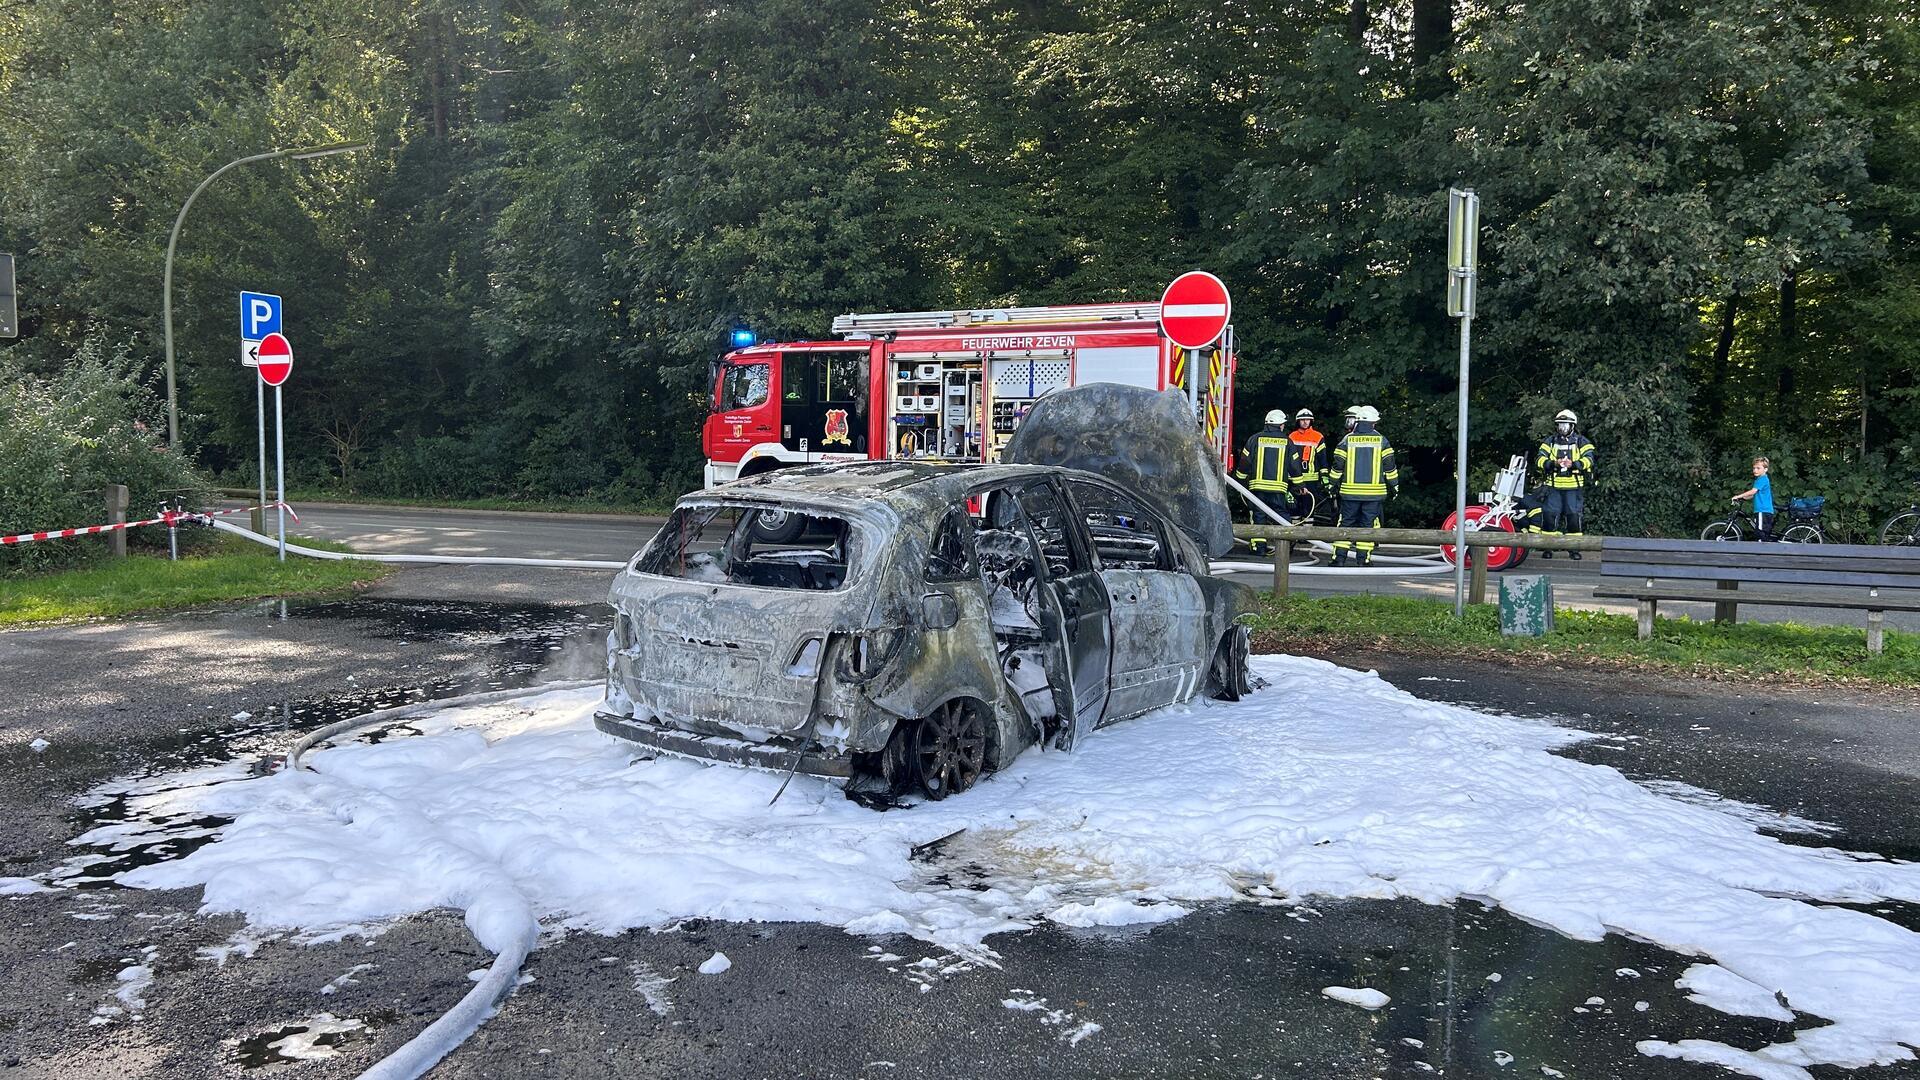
pixel 949 385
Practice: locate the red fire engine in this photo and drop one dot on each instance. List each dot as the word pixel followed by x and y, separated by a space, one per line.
pixel 943 384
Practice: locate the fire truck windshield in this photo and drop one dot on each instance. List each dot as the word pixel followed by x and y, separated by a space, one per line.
pixel 743 386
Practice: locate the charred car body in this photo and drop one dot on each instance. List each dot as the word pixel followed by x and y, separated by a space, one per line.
pixel 932 622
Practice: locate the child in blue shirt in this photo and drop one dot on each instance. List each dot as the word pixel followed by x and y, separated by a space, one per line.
pixel 1762 495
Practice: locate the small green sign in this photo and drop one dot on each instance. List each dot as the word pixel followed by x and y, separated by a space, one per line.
pixel 1526 605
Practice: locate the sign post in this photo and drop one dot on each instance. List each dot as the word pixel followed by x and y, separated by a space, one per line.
pixel 276 363
pixel 1463 256
pixel 1194 312
pixel 259 316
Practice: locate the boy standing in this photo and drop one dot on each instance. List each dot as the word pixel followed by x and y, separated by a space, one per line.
pixel 1762 495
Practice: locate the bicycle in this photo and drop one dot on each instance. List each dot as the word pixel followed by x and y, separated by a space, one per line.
pixel 1902 529
pixel 1803 513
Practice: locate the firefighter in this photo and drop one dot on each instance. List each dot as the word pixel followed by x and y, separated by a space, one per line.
pixel 1565 460
pixel 1265 456
pixel 1364 474
pixel 1306 466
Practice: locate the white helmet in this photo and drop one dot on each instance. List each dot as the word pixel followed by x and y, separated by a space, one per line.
pixel 1303 414
pixel 1565 416
pixel 1366 414
pixel 1276 417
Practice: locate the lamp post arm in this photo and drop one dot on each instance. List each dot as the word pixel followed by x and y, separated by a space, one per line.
pixel 166 286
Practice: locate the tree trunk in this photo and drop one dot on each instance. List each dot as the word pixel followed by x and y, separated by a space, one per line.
pixel 1432 40
pixel 1357 22
pixel 1789 329
pixel 1722 351
pixel 1789 319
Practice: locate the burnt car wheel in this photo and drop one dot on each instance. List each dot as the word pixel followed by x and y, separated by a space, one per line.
pixel 948 749
pixel 778 526
pixel 1227 679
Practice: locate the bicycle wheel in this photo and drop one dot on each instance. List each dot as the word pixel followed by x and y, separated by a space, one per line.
pixel 1803 534
pixel 1721 530
pixel 1902 529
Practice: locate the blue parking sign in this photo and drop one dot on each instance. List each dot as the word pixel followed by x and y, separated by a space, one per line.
pixel 259 315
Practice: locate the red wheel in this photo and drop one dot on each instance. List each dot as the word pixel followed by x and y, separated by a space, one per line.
pixel 1498 558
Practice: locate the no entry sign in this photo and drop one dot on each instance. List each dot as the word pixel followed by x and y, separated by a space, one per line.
pixel 276 359
pixel 1194 310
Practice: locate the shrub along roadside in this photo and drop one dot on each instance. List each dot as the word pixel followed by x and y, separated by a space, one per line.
pixel 1792 652
pixel 231 569
pixel 64 437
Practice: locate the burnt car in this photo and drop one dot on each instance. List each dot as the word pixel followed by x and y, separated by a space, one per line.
pixel 931 623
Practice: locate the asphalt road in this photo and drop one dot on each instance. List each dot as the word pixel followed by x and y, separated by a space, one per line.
pixel 407 530
pixel 1231 991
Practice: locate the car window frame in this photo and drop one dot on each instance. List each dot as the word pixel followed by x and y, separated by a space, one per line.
pixel 1168 561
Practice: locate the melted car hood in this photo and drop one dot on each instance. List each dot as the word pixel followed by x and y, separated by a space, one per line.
pixel 1144 440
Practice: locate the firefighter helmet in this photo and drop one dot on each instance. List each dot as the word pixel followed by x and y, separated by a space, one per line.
pixel 1276 417
pixel 1366 414
pixel 1565 416
pixel 1303 414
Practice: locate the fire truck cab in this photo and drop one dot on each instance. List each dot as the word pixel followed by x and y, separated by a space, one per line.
pixel 950 385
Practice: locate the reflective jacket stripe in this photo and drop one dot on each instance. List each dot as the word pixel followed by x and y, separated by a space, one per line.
pixel 1269 463
pixel 1576 449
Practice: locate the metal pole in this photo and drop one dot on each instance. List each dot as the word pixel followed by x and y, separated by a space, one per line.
pixel 1194 360
pixel 173 241
pixel 280 469
pixel 260 410
pixel 1460 554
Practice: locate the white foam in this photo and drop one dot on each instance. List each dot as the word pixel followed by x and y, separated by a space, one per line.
pixel 1330 782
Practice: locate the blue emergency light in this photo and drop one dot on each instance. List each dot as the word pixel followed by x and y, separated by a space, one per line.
pixel 742 337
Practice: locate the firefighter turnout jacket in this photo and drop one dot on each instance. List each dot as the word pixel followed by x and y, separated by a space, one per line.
pixel 1265 455
pixel 1364 465
pixel 1306 456
pixel 1572 448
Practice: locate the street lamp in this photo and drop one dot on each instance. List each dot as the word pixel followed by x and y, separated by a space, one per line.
pixel 166 288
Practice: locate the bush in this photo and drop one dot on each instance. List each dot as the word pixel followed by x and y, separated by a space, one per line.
pixel 65 437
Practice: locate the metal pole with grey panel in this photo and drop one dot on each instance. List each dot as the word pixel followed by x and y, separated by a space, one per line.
pixel 1463 253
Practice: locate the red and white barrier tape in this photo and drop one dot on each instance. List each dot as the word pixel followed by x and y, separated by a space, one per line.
pixel 169 518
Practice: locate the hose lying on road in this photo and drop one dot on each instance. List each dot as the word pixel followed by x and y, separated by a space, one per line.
pixel 441 1037
pixel 456 560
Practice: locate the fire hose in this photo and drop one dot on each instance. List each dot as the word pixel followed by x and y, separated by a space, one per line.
pixel 444 1035
pixel 1399 565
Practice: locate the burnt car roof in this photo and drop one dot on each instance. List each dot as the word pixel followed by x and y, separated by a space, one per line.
pixel 908 486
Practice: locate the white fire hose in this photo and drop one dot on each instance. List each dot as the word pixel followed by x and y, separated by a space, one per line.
pixel 443 1036
pixel 1398 565
pixel 455 560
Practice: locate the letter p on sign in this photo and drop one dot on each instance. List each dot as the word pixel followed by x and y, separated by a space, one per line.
pixel 259 315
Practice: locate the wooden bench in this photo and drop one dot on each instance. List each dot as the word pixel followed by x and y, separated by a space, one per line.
pixel 1878 579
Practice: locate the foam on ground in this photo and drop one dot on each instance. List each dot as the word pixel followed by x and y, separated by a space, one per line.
pixel 1329 782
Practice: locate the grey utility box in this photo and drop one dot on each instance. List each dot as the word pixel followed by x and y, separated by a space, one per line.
pixel 1526 605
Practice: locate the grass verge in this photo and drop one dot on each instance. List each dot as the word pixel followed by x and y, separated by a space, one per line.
pixel 228 569
pixel 1788 651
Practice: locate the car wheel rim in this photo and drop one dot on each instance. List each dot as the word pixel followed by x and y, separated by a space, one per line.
pixel 950 749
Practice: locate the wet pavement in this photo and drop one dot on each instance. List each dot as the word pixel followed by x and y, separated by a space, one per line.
pixel 1229 991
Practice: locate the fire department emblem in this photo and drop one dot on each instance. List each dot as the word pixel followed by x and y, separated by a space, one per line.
pixel 836 429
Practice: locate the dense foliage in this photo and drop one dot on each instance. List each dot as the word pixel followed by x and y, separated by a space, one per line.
pixel 1700 215
pixel 64 438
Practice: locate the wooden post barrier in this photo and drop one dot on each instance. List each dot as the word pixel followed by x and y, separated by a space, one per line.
pixel 1284 536
pixel 117 515
pixel 1725 612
